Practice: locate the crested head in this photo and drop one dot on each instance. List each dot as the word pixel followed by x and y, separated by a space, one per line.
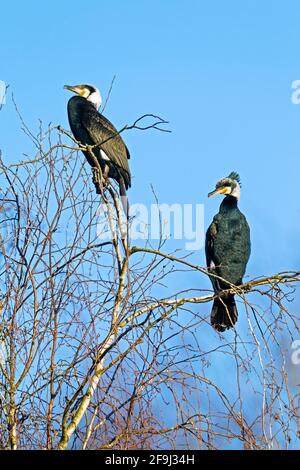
pixel 235 176
pixel 89 92
pixel 230 186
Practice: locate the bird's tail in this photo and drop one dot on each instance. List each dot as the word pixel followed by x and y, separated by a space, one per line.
pixel 123 196
pixel 224 313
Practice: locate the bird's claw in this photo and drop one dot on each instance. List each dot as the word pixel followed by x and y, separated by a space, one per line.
pixel 99 181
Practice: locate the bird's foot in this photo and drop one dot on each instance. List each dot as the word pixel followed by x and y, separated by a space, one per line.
pixel 96 180
pixel 247 288
pixel 99 180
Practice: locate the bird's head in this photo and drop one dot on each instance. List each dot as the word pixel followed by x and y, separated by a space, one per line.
pixel 89 92
pixel 230 185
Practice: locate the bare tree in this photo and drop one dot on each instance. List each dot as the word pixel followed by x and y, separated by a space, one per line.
pixel 98 350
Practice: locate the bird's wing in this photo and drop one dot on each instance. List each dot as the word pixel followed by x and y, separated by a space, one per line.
pixel 102 132
pixel 209 242
pixel 210 249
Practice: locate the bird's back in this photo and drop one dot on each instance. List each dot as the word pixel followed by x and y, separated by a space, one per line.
pixel 92 128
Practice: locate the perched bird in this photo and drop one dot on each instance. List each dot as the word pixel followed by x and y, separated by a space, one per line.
pixel 89 127
pixel 227 249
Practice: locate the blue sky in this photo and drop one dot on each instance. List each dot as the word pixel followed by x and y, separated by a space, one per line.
pixel 220 72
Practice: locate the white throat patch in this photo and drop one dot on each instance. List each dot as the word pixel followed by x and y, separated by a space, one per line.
pixel 95 98
pixel 236 192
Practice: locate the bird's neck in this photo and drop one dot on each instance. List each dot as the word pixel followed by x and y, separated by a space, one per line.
pixel 95 99
pixel 228 203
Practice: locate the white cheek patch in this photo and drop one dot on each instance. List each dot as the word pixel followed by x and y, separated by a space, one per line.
pixel 95 99
pixel 212 265
pixel 104 156
pixel 236 192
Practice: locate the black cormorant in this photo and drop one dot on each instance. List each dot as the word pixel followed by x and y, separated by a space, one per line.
pixel 227 249
pixel 92 128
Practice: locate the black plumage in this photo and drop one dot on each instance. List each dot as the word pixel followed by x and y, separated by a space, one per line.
pixel 227 252
pixel 92 128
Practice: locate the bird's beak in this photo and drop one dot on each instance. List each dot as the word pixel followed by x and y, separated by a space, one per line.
pixel 221 190
pixel 74 89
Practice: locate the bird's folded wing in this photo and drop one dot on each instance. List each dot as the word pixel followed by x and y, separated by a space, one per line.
pixel 210 250
pixel 102 132
pixel 209 242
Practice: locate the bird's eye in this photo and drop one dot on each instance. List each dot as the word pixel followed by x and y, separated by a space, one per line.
pixel 223 184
